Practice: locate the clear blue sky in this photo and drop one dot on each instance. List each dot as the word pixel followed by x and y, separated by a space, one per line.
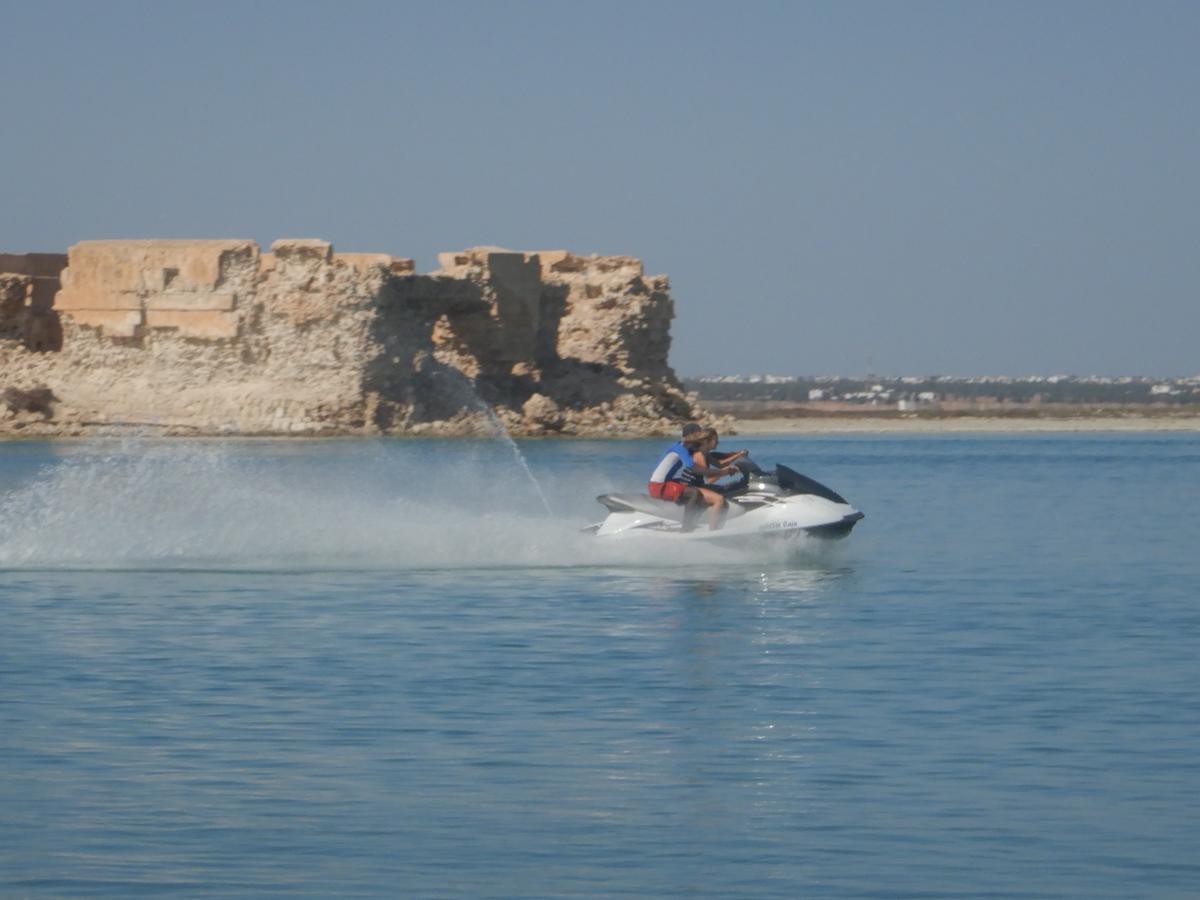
pixel 950 187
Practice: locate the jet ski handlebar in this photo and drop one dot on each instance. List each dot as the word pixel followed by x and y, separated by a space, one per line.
pixel 791 481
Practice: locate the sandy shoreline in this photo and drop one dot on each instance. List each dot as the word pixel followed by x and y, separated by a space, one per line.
pixel 972 425
pixel 784 426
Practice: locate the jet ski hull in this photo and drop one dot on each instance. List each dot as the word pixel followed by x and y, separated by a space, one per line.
pixel 752 518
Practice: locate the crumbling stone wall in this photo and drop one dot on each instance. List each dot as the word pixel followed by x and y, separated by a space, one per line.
pixel 217 337
pixel 124 289
pixel 28 284
pixel 614 314
pixel 14 289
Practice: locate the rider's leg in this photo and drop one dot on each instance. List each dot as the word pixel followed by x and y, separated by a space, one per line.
pixel 716 508
pixel 693 505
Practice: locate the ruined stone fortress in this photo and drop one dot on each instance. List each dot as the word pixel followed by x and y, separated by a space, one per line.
pixel 218 337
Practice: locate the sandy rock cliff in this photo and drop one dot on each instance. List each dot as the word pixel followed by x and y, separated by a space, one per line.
pixel 217 337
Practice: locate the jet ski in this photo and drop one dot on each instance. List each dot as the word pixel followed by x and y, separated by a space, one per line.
pixel 778 505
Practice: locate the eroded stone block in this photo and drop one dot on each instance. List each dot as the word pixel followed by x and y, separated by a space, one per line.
pixel 201 324
pixel 364 261
pixel 559 261
pixel 113 323
pixel 191 300
pixel 453 260
pixel 94 297
pixel 105 266
pixel 152 265
pixel 310 248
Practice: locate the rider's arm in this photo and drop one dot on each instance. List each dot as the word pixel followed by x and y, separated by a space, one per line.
pixel 701 467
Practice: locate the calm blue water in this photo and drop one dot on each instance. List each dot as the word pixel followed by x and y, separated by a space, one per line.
pixel 376 668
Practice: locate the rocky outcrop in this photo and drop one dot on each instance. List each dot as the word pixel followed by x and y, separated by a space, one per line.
pixel 217 337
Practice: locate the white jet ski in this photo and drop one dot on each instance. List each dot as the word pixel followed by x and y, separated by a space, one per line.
pixel 782 504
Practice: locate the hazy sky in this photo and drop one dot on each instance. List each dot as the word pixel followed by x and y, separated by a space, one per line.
pixel 953 187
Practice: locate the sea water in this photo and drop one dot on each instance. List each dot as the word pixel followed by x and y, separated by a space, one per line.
pixel 380 668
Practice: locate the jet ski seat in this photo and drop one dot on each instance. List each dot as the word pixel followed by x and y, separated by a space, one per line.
pixel 653 506
pixel 642 503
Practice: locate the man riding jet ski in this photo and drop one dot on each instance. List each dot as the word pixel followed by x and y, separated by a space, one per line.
pixel 679 477
pixel 778 504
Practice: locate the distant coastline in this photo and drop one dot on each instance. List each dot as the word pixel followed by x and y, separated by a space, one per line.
pixel 795 404
pixel 973 424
